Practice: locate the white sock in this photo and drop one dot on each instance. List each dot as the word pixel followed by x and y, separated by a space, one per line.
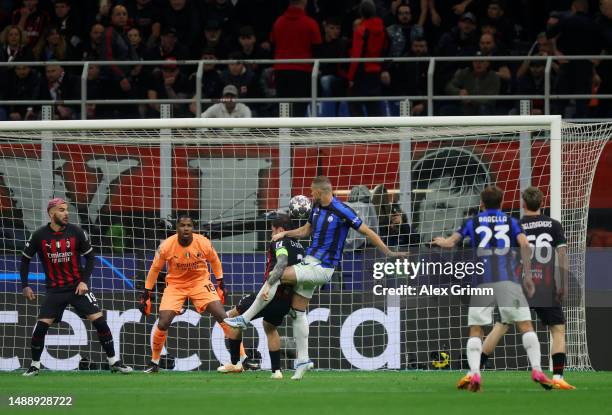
pixel 35 364
pixel 155 361
pixel 112 360
pixel 259 303
pixel 300 333
pixel 557 377
pixel 532 347
pixel 474 350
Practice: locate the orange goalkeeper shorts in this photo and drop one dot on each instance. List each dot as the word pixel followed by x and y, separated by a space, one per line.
pixel 200 295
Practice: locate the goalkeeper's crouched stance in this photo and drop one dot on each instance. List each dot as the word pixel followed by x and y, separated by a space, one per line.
pixel 185 256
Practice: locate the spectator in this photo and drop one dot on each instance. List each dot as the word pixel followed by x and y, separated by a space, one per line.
pixel 184 17
pixel 138 72
pixel 251 50
pixel 32 21
pixel 168 46
pixel 60 86
pixel 488 47
pixel 295 36
pixel 221 11
pixel 410 78
pixel 401 33
pixel 146 17
pixel 532 83
pixel 55 47
pixel 543 47
pixel 13 45
pixel 96 90
pixel 241 77
pixel 229 108
pixel 462 40
pixel 398 231
pixel 90 49
pixel 136 44
pixel 479 79
pixel 333 76
pixel 577 34
pixel 369 41
pixel 260 14
pixel 381 199
pixel 172 84
pixel 504 29
pixel 360 200
pixel 116 47
pixel 214 38
pixel 212 85
pixel 69 25
pixel 23 84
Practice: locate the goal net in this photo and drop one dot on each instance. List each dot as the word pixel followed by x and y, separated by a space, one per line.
pixel 409 179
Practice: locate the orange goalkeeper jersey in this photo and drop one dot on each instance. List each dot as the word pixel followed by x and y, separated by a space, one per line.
pixel 185 265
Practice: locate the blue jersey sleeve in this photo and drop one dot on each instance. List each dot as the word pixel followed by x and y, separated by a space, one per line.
pixel 515 228
pixel 349 215
pixel 465 229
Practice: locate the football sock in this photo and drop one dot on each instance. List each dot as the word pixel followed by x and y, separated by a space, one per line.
pixel 558 360
pixel 259 303
pixel 105 337
pixel 275 360
pixel 159 338
pixel 300 333
pixel 235 350
pixel 38 341
pixel 474 349
pixel 532 347
pixel 484 358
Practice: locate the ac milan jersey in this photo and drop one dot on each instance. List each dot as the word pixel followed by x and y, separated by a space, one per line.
pixel 59 252
pixel 293 250
pixel 545 235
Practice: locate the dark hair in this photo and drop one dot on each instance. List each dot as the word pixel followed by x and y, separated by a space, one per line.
pixel 181 217
pixel 282 221
pixel 334 20
pixel 367 9
pixel 491 197
pixel 235 56
pixel 533 198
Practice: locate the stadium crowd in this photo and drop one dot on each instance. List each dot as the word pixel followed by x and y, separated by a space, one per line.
pixel 175 30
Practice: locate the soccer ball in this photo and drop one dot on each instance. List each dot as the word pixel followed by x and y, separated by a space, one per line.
pixel 299 207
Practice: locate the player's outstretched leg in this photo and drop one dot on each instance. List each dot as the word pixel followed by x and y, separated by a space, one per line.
pixel 106 340
pixel 300 333
pixel 242 321
pixel 37 345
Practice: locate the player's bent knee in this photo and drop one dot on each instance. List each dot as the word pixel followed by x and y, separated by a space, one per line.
pixel 47 321
pixel 524 326
pixel 94 316
pixel 299 303
pixel 289 277
pixel 165 319
pixel 557 329
pixel 269 328
pixel 476 331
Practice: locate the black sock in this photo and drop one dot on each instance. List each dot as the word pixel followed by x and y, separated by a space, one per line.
pixel 275 360
pixel 38 340
pixel 105 336
pixel 558 363
pixel 483 359
pixel 235 350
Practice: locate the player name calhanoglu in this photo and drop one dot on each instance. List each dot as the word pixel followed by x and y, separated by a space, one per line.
pixel 430 290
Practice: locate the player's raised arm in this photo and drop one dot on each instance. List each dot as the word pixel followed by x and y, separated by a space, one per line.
pixel 377 242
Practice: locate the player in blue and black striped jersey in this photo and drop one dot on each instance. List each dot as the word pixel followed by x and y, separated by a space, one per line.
pixel 547 238
pixel 329 224
pixel 493 234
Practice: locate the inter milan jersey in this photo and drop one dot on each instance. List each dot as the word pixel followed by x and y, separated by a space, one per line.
pixel 295 253
pixel 492 234
pixel 59 254
pixel 330 225
pixel 545 235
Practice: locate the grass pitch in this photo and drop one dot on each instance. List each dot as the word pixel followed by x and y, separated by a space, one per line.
pixel 319 393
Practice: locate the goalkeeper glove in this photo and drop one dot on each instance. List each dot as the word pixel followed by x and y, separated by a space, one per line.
pixel 144 302
pixel 221 291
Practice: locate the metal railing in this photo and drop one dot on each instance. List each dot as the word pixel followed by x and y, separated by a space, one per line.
pixel 314 99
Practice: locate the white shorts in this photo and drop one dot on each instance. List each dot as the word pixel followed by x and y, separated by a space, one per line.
pixel 514 306
pixel 311 275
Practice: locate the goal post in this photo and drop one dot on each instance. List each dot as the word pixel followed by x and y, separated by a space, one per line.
pixel 125 180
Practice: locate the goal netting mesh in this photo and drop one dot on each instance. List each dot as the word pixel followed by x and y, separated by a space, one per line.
pixel 125 186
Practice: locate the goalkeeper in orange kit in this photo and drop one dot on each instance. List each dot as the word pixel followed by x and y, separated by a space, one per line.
pixel 185 255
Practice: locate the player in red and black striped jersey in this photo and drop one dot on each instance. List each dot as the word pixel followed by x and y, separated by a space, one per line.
pixel 280 255
pixel 547 239
pixel 59 246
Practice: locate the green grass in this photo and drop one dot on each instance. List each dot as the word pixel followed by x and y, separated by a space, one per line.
pixel 319 393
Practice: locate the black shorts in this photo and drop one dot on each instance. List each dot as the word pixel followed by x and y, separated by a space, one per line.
pixel 56 303
pixel 274 313
pixel 550 316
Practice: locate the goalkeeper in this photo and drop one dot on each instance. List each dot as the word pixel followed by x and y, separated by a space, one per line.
pixel 185 255
pixel 280 255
